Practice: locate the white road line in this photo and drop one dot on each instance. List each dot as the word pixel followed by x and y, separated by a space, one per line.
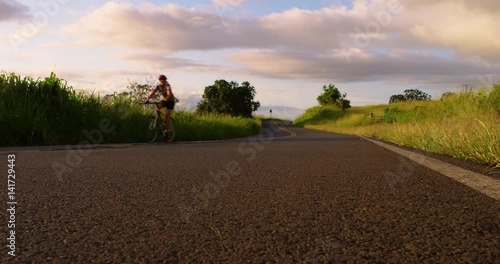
pixel 476 181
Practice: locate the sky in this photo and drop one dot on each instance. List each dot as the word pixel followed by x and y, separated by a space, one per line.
pixel 287 49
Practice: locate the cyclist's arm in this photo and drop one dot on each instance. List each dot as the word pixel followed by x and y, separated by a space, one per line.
pixel 169 93
pixel 151 95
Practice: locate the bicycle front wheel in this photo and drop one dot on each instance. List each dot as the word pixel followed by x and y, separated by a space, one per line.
pixel 171 135
pixel 153 130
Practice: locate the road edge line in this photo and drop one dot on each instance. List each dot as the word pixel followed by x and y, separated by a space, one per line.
pixel 479 182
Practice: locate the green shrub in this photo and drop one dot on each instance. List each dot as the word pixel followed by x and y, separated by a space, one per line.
pixel 494 98
pixel 319 114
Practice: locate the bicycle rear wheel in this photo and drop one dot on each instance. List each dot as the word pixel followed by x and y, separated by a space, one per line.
pixel 153 130
pixel 169 137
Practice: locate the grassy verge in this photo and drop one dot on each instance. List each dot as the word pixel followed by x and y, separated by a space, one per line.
pixel 46 111
pixel 190 127
pixel 464 126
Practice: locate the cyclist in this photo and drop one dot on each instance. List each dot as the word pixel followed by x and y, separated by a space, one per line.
pixel 167 99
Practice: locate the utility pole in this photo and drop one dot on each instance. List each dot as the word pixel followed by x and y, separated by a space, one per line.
pixel 271 113
pixel 467 87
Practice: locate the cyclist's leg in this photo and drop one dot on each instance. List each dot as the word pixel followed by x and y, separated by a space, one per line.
pixel 168 113
pixel 159 107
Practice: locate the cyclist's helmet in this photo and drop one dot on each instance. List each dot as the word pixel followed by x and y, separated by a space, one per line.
pixel 162 77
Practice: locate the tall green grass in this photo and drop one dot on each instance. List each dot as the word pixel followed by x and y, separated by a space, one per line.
pixel 47 111
pixel 191 127
pixel 35 111
pixel 464 125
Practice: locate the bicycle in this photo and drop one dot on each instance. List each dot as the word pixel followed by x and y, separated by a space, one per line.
pixel 157 125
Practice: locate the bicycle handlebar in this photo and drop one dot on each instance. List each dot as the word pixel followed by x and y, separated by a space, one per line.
pixel 157 102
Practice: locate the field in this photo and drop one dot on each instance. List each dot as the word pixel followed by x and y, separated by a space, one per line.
pixel 46 111
pixel 464 125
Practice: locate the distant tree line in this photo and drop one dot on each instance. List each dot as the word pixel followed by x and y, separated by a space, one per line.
pixel 410 95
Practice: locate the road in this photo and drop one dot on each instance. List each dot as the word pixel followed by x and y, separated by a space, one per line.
pixel 284 197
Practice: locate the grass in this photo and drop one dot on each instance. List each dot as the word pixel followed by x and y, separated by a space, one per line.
pixel 464 126
pixel 190 127
pixel 318 115
pixel 46 111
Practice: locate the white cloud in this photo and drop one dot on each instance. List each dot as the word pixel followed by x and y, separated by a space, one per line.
pixel 156 62
pixel 470 27
pixel 228 3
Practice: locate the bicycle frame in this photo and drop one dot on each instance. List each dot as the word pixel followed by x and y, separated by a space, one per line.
pixel 157 124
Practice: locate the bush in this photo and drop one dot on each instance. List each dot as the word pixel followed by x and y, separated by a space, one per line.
pixel 494 98
pixel 319 114
pixel 391 115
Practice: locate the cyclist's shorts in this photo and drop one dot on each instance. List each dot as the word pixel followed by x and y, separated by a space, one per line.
pixel 168 104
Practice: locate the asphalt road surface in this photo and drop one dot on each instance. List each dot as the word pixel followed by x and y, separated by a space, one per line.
pixel 305 196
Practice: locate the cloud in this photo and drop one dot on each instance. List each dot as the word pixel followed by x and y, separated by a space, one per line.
pixel 228 3
pixel 13 10
pixel 166 28
pixel 154 62
pixel 172 28
pixel 467 27
pixel 470 27
pixel 188 101
pixel 373 40
pixel 401 66
pixel 491 6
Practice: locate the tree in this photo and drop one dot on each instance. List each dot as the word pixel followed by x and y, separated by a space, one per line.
pixel 344 103
pixel 410 95
pixel 231 98
pixel 332 96
pixel 135 93
pixel 397 98
pixel 447 95
pixel 416 95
